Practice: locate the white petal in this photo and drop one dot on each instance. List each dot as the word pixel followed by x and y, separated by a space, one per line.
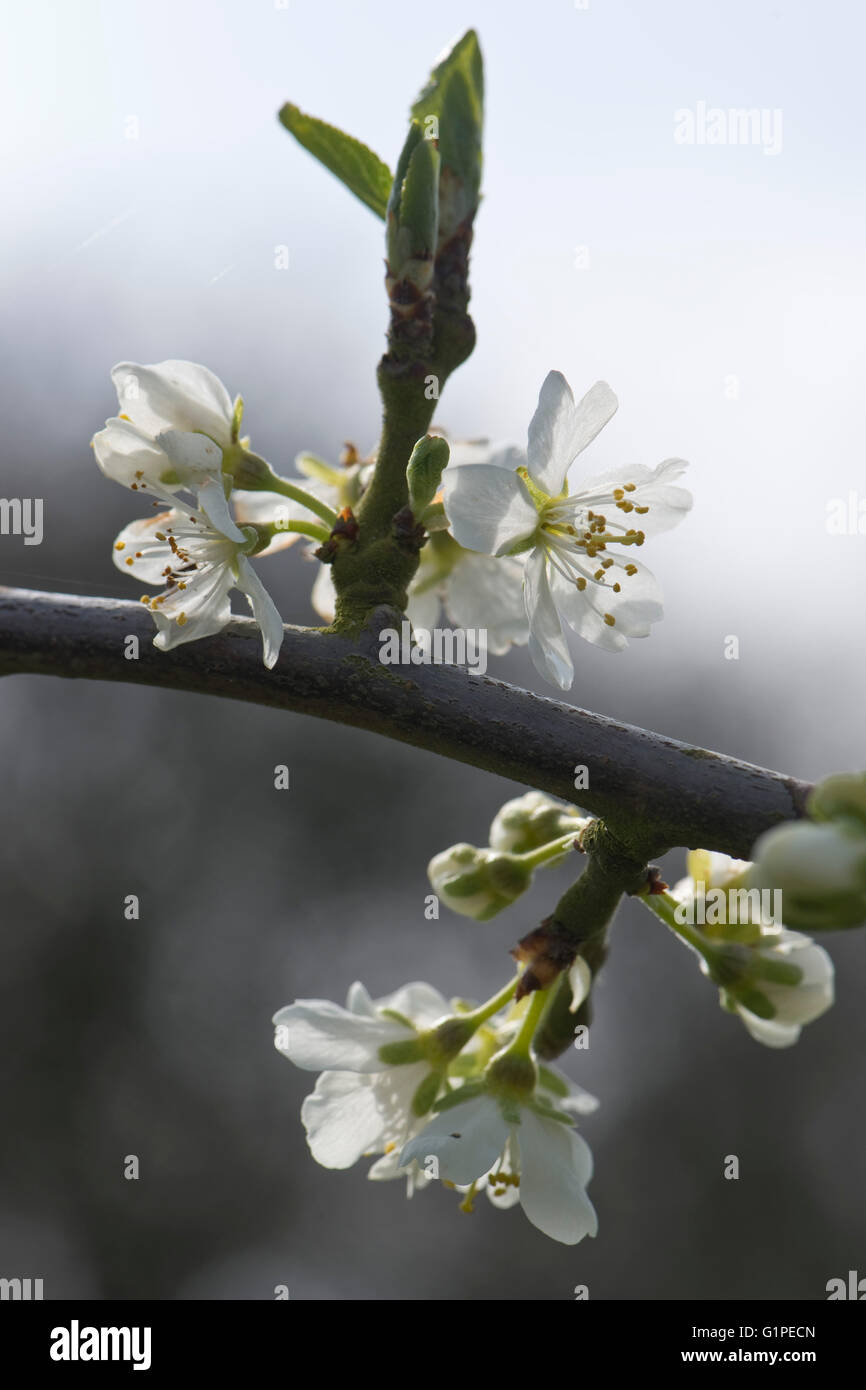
pixel 269 509
pixel 547 645
pixel 580 981
pixel 488 508
pixel 814 994
pixel 466 1139
pixel 342 1119
pixel 486 594
pixel 555 1166
pixel 578 1101
pixel 197 462
pixel 174 395
pixel 201 610
pixel 264 610
pixel 317 1035
pixel 419 1002
pixel 358 1000
pixel 128 456
pixel 138 543
pixel 324 595
pixel 560 430
pixel 654 488
pixel 422 609
pixel 768 1032
pixel 578 609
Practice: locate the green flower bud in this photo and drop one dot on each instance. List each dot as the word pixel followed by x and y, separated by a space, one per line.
pixel 475 882
pixel 533 820
pixel 840 797
pixel 820 870
pixel 424 471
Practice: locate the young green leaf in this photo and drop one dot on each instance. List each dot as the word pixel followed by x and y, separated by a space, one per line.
pixel 450 110
pixel 362 171
pixel 463 56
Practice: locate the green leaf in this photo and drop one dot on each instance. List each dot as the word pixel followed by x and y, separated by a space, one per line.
pixel 464 56
pixel 362 171
pixel 450 109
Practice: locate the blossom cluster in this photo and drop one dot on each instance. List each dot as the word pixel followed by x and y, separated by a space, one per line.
pixel 433 1089
pixel 510 550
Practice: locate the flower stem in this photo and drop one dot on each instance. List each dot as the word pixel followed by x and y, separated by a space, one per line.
pixel 663 906
pixel 306 499
pixel 493 1005
pixel 520 1046
pixel 553 849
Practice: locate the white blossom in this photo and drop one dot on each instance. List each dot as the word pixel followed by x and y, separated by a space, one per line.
pixel 197 565
pixel 579 565
pixel 794 1004
pixel 361 1105
pixel 175 420
pixel 517 1154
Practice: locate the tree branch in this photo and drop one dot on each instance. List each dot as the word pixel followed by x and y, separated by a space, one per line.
pixel 679 795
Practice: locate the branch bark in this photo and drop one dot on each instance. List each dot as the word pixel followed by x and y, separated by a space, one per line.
pixel 678 794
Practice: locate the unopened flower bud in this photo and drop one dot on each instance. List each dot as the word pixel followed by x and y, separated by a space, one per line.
pixel 476 882
pixel 820 870
pixel 424 471
pixel 532 820
pixel 841 797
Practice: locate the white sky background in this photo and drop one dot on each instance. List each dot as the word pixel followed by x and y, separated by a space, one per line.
pixel 704 262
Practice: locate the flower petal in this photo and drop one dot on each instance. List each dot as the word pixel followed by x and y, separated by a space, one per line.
pixel 201 610
pixel 653 488
pixel 324 595
pixel 130 457
pixel 547 645
pixel 555 1166
pixel 560 430
pixel 264 610
pixel 466 1139
pixel 417 1001
pixel 317 1035
pixel 813 994
pixel 488 508
pixel 422 609
pixel 139 544
pixel 269 509
pixel 358 1000
pixel 174 395
pixel 768 1032
pixel 486 594
pixel 342 1118
pixel 198 462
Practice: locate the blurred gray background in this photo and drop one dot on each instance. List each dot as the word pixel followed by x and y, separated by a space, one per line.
pixel 721 291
